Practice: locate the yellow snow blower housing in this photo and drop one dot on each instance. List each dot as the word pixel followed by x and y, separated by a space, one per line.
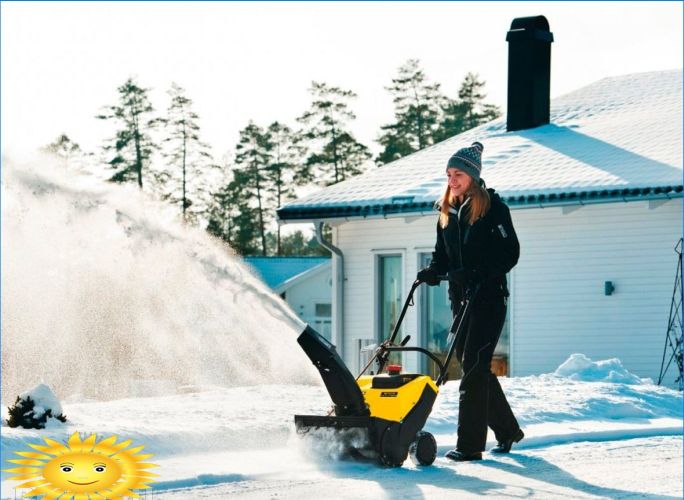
pixel 392 397
pixel 390 408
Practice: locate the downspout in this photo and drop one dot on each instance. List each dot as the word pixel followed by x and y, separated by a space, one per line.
pixel 338 291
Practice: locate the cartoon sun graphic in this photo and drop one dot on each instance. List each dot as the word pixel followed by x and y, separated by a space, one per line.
pixel 83 469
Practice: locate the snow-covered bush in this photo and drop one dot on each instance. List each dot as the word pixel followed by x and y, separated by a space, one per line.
pixel 33 408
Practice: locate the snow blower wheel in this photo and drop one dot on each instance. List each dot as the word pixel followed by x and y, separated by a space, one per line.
pixel 423 450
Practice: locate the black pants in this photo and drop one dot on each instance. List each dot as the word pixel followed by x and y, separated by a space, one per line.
pixel 482 402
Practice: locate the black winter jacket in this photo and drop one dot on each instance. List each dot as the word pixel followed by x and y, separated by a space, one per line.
pixel 489 247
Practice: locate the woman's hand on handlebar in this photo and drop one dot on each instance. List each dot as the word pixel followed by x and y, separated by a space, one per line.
pixel 428 276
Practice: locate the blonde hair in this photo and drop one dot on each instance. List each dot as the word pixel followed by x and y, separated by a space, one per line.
pixel 478 206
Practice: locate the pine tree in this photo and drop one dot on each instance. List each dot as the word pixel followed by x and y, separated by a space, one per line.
pixel 298 244
pixel 231 217
pixel 471 95
pixel 469 110
pixel 286 153
pixel 417 110
pixel 184 181
pixel 132 145
pixel 352 156
pixel 335 153
pixel 64 148
pixel 293 244
pixel 253 157
pixel 396 144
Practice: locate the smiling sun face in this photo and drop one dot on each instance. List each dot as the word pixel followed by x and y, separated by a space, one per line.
pixel 83 471
pixel 104 469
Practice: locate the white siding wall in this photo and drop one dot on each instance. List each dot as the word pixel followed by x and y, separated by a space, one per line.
pixel 558 304
pixel 304 296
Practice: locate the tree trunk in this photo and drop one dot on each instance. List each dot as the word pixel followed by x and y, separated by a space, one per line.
pixel 184 201
pixel 334 138
pixel 421 141
pixel 261 212
pixel 278 194
pixel 138 156
pixel 136 135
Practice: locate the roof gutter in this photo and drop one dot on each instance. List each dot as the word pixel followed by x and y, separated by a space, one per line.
pixel 338 289
pixel 596 201
pixel 514 202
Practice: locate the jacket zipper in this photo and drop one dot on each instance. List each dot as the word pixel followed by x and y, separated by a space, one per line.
pixel 458 226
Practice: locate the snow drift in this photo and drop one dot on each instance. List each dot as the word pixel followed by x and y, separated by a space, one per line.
pixel 106 295
pixel 580 367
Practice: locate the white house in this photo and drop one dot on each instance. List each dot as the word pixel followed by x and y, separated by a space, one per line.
pixel 305 283
pixel 595 191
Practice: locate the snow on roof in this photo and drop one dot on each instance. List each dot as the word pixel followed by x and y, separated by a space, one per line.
pixel 618 138
pixel 275 271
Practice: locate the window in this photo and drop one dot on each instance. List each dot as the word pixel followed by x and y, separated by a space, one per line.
pixel 322 321
pixel 323 310
pixel 389 294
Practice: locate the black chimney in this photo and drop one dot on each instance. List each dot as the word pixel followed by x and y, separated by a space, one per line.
pixel 529 72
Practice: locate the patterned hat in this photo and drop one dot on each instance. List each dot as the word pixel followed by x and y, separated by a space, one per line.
pixel 468 159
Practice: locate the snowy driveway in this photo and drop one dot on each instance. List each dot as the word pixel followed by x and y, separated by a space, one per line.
pixel 584 439
pixel 632 468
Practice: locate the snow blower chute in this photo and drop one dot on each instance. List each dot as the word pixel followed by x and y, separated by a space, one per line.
pixel 390 408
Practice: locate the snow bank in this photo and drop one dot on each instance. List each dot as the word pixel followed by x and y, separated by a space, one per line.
pixel 580 367
pixel 580 391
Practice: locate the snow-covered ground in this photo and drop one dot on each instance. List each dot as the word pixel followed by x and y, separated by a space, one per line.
pixel 584 439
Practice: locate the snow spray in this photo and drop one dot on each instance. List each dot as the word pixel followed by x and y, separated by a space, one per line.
pixel 105 294
pixel 323 444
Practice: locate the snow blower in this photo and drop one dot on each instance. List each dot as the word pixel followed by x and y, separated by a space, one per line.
pixel 389 408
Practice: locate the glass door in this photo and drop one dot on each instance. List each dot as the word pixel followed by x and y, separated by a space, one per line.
pixel 436 319
pixel 390 299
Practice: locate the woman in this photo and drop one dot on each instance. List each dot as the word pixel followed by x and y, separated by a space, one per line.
pixel 476 244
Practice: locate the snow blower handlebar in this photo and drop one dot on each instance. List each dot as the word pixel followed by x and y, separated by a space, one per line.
pixel 456 329
pixel 409 302
pixel 388 346
pixel 382 354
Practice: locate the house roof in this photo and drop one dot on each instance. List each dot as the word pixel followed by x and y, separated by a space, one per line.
pixel 617 139
pixel 279 273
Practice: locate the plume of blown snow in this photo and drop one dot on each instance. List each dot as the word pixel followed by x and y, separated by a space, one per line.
pixel 106 294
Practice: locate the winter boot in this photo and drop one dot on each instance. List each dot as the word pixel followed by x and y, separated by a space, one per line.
pixel 505 445
pixel 459 456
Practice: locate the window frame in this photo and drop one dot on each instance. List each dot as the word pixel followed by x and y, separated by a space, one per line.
pixel 377 255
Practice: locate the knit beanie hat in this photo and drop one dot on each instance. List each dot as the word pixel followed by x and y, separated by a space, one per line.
pixel 468 159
